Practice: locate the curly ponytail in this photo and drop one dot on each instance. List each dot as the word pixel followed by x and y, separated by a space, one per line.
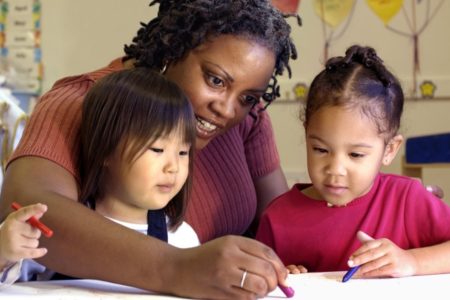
pixel 361 79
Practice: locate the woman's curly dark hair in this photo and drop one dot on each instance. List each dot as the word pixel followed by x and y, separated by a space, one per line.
pixel 182 25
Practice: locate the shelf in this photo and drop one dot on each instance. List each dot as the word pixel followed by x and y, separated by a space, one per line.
pixel 415 170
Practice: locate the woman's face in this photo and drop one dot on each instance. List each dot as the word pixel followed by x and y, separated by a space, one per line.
pixel 223 79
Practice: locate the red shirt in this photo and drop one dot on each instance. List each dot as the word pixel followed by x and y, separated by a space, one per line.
pixel 307 232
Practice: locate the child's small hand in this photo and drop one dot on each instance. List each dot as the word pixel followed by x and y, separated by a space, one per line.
pixel 382 258
pixel 18 239
pixel 293 269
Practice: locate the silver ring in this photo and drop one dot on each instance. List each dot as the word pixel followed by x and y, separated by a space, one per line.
pixel 244 275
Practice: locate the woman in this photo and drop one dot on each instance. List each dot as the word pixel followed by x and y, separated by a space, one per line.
pixel 225 55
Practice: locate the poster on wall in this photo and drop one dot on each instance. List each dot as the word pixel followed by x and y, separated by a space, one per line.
pixel 21 62
pixel 335 15
pixel 410 36
pixel 386 10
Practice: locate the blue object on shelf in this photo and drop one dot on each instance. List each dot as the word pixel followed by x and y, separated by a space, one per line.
pixel 428 149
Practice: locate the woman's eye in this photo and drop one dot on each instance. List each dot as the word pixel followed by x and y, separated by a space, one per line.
pixel 267 97
pixel 157 150
pixel 215 81
pixel 252 100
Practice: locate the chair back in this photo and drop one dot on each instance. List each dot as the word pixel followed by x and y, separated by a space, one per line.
pixel 12 124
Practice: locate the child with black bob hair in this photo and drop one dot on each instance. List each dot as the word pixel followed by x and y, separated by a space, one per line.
pixel 137 144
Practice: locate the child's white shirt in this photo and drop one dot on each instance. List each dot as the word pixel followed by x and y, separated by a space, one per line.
pixel 183 237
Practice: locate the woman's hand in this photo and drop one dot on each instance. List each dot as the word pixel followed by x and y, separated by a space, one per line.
pixel 230 267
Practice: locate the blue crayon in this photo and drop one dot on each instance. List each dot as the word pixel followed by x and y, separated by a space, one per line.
pixel 350 273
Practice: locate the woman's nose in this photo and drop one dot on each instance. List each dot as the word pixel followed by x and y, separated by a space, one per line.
pixel 225 106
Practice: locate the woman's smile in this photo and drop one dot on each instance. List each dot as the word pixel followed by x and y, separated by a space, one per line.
pixel 206 129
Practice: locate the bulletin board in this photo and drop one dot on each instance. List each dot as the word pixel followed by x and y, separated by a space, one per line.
pixel 411 36
pixel 20 32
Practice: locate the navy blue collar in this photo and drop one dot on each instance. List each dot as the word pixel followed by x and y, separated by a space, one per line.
pixel 157 225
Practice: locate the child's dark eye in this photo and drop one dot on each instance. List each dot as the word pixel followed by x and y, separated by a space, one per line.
pixel 184 153
pixel 157 150
pixel 356 155
pixel 320 150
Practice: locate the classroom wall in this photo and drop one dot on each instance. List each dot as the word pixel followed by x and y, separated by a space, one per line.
pixel 78 36
pixel 82 35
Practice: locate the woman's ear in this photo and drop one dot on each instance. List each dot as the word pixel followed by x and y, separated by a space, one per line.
pixel 391 149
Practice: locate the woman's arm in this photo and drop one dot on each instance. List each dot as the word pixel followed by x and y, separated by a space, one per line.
pixel 87 245
pixel 268 188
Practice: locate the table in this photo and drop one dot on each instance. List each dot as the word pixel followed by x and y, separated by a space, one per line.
pixel 307 286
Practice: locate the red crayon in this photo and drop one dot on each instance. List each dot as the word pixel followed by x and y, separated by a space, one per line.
pixel 35 222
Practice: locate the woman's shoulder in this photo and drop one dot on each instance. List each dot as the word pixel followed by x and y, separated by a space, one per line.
pixel 82 82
